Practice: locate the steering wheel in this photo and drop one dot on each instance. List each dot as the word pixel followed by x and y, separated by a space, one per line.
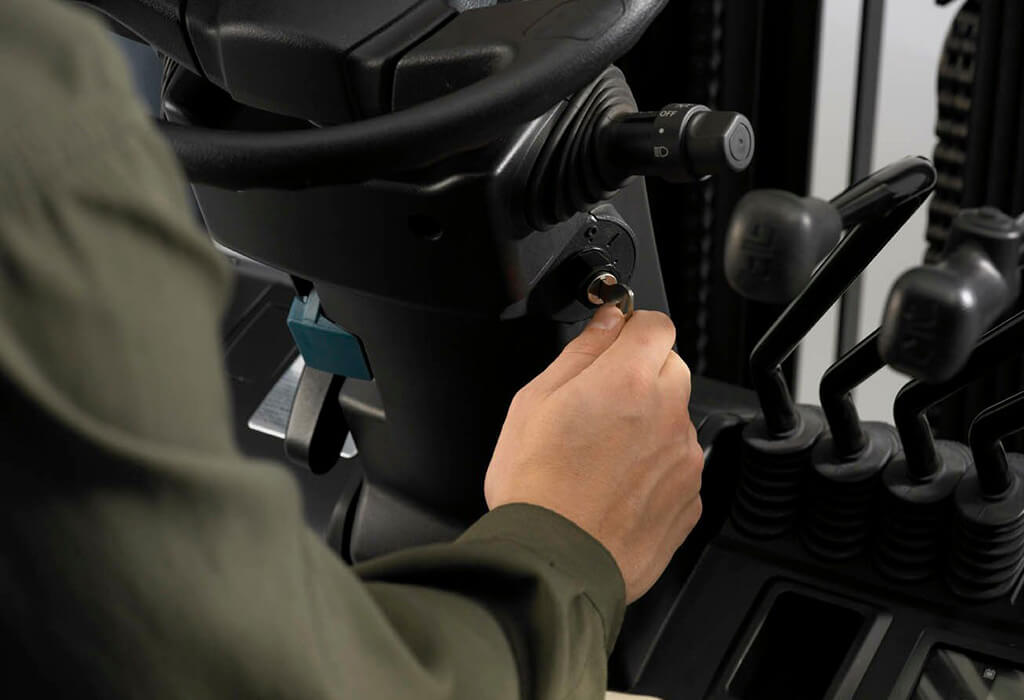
pixel 541 52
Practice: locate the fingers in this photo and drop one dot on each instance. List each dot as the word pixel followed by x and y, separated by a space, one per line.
pixel 599 334
pixel 644 343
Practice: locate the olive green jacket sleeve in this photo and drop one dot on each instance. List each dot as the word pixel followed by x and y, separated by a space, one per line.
pixel 140 554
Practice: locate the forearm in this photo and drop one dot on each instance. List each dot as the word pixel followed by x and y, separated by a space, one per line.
pixel 556 592
pixel 200 580
pixel 110 297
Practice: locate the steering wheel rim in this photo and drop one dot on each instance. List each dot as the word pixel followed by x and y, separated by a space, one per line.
pixel 566 46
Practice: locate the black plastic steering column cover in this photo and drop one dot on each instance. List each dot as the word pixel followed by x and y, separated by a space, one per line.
pixel 157 22
pixel 295 57
pixel 540 51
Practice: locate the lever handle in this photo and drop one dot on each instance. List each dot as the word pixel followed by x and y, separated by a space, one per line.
pixel 936 314
pixel 874 209
pixel 679 142
pixel 316 427
pixel 986 432
pixel 775 241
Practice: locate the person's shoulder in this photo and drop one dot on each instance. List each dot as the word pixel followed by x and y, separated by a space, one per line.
pixel 68 94
pixel 55 56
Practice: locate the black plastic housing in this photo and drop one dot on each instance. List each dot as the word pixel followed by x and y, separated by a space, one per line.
pixel 936 314
pixel 438 275
pixel 775 241
pixel 455 85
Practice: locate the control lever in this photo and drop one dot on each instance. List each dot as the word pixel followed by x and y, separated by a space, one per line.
pixel 775 241
pixel 777 446
pixel 848 461
pixel 919 484
pixel 987 548
pixel 875 208
pixel 936 313
pixel 598 142
pixel 679 143
pixel 316 426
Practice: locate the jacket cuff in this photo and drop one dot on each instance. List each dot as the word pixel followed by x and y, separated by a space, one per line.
pixel 566 547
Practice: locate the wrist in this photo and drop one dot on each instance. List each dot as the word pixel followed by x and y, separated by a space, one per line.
pixel 566 547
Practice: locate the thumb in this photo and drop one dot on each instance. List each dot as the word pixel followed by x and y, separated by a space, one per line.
pixel 596 337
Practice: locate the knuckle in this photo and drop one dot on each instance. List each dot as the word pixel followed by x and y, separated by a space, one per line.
pixel 660 325
pixel 636 380
pixel 697 456
pixel 575 394
pixel 690 469
pixel 685 371
pixel 522 398
pixel 642 337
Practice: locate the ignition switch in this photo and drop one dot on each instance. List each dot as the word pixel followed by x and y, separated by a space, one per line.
pixel 604 288
pixel 594 268
pixel 598 280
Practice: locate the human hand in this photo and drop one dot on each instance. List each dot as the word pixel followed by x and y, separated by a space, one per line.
pixel 603 437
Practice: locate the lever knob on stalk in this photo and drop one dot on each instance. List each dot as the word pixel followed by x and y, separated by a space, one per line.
pixel 775 241
pixel 937 313
pixel 784 247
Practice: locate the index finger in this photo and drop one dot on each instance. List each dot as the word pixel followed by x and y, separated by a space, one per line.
pixel 646 340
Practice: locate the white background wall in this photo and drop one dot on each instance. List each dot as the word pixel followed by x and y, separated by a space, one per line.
pixel 913 34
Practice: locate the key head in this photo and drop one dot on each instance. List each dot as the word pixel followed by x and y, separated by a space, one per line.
pixel 623 297
pixel 604 288
pixel 775 241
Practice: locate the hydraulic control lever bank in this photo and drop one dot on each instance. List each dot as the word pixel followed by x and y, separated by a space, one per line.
pixel 857 559
pixel 452 194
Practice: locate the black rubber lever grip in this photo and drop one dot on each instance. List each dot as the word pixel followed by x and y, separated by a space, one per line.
pixel 936 314
pixel 775 241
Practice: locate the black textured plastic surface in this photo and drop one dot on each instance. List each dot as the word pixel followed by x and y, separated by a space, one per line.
pixel 566 176
pixel 604 243
pixel 842 493
pixel 773 474
pixel 936 314
pixel 913 520
pixel 539 52
pixel 987 546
